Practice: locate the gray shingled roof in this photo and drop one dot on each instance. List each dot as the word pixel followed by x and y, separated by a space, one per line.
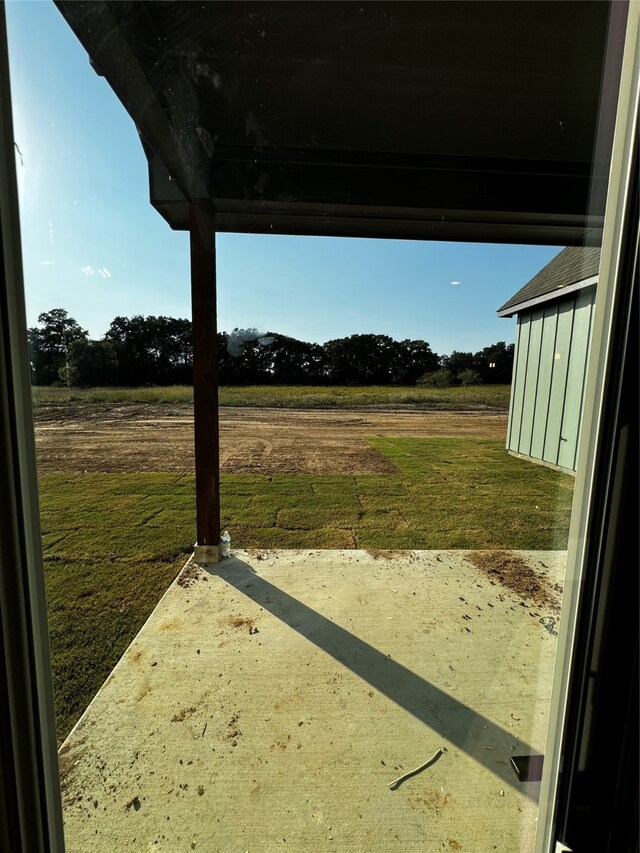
pixel 572 265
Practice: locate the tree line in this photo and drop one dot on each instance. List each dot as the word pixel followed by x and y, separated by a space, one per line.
pixel 137 351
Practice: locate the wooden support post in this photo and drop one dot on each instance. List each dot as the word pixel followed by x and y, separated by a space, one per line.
pixel 205 381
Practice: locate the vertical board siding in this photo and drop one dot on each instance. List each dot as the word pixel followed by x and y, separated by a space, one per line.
pixel 576 378
pixel 543 386
pixel 552 347
pixel 564 334
pixel 531 382
pixel 517 389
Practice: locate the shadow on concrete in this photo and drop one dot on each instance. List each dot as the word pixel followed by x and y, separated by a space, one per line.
pixel 479 737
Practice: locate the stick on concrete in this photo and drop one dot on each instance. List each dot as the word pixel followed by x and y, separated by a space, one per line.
pixel 397 782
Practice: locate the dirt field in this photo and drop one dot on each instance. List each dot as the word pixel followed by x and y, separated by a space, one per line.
pixel 107 438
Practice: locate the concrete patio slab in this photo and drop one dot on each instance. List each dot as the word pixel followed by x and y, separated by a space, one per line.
pixel 270 699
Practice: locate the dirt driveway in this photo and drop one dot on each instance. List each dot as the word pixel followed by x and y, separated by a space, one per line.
pixel 260 441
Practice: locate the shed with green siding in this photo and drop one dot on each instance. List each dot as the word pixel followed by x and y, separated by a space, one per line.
pixel 554 319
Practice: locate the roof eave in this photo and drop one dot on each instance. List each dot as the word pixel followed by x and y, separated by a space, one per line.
pixel 558 293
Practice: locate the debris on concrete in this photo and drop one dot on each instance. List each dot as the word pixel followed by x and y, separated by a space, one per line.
pixel 397 782
pixel 511 571
pixel 134 803
pixel 189 575
pixel 549 624
pixel 183 715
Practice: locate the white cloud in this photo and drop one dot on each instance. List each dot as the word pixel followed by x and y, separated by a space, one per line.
pixel 89 270
pixel 47 263
pixel 455 283
pixel 51 232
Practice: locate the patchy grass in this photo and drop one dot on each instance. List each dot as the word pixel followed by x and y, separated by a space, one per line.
pixel 447 493
pixel 478 397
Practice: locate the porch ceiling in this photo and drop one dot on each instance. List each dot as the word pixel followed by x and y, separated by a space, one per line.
pixel 436 120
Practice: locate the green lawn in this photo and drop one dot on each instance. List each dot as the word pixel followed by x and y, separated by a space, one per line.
pixel 113 542
pixel 478 397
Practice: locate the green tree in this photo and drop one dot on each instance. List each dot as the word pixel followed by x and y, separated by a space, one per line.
pixel 441 378
pixel 245 357
pixel 415 359
pixel 293 362
pixel 456 363
pixel 495 363
pixel 151 350
pixel 363 359
pixel 91 364
pixel 469 377
pixel 49 345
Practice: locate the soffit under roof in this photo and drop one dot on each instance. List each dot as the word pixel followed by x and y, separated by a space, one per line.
pixel 431 119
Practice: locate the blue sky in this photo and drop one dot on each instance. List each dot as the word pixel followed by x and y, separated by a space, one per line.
pixel 93 244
